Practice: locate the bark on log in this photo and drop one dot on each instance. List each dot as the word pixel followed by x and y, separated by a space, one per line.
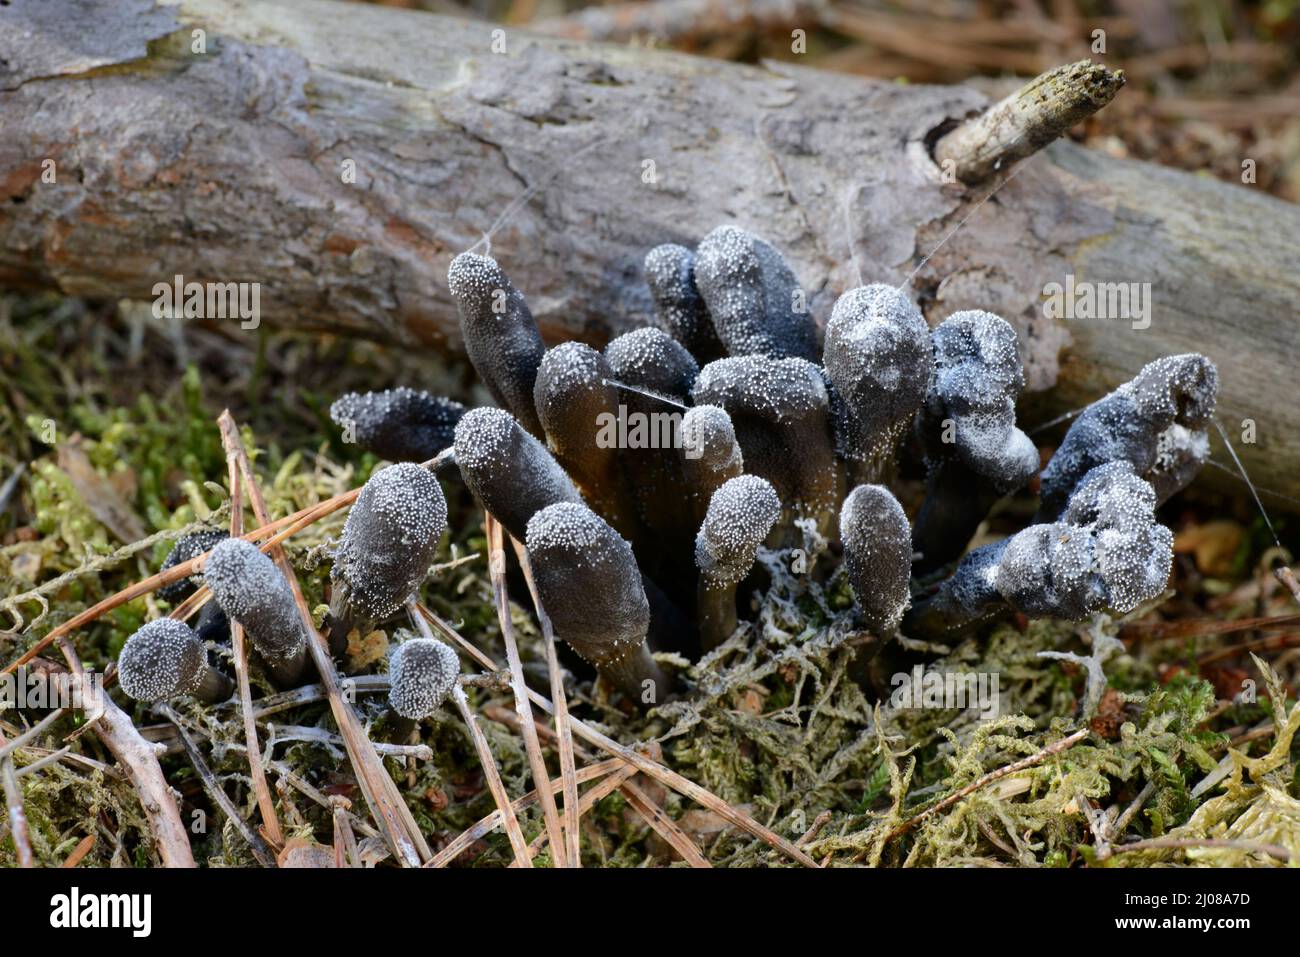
pixel 227 165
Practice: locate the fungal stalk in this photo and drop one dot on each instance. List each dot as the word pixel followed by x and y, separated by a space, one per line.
pixel 401 425
pixel 253 592
pixel 1106 552
pixel 740 515
pixel 509 473
pixel 166 658
pixel 974 452
pixel 387 546
pixel 589 584
pixel 499 333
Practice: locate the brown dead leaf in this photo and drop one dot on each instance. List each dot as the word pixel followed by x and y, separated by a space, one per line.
pixel 100 495
pixel 302 853
pixel 1213 545
pixel 364 652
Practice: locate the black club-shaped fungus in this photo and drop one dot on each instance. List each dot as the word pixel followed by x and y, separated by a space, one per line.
pixel 499 333
pixel 388 544
pixel 252 591
pixel 652 360
pixel 509 473
pixel 187 547
pixel 741 513
pixel 165 658
pixel 877 554
pixel 1106 552
pixel 878 357
pixel 401 425
pixel 670 274
pixel 590 586
pixel 780 410
pixel 710 455
pixel 421 673
pixel 574 396
pixel 1128 425
pixel 974 452
pixel 753 296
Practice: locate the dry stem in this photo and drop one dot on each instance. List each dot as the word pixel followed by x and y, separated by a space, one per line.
pixel 572 849
pixel 536 763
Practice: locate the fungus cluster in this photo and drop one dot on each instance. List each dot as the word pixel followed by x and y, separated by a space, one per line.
pixel 643 479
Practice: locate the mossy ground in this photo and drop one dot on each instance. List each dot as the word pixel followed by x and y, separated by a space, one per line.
pixel 776 720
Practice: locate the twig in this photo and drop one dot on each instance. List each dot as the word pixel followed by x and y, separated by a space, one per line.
pixel 80 851
pixel 619 776
pixel 461 842
pixel 17 815
pixel 536 763
pixel 572 850
pixel 664 775
pixel 1116 829
pixel 1026 121
pixel 504 807
pixel 390 811
pixel 1052 749
pixel 345 842
pixel 31 734
pixel 665 826
pixel 238 644
pixel 113 727
pixel 212 786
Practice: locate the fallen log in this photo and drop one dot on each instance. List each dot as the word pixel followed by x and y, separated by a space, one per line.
pixel 340 155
